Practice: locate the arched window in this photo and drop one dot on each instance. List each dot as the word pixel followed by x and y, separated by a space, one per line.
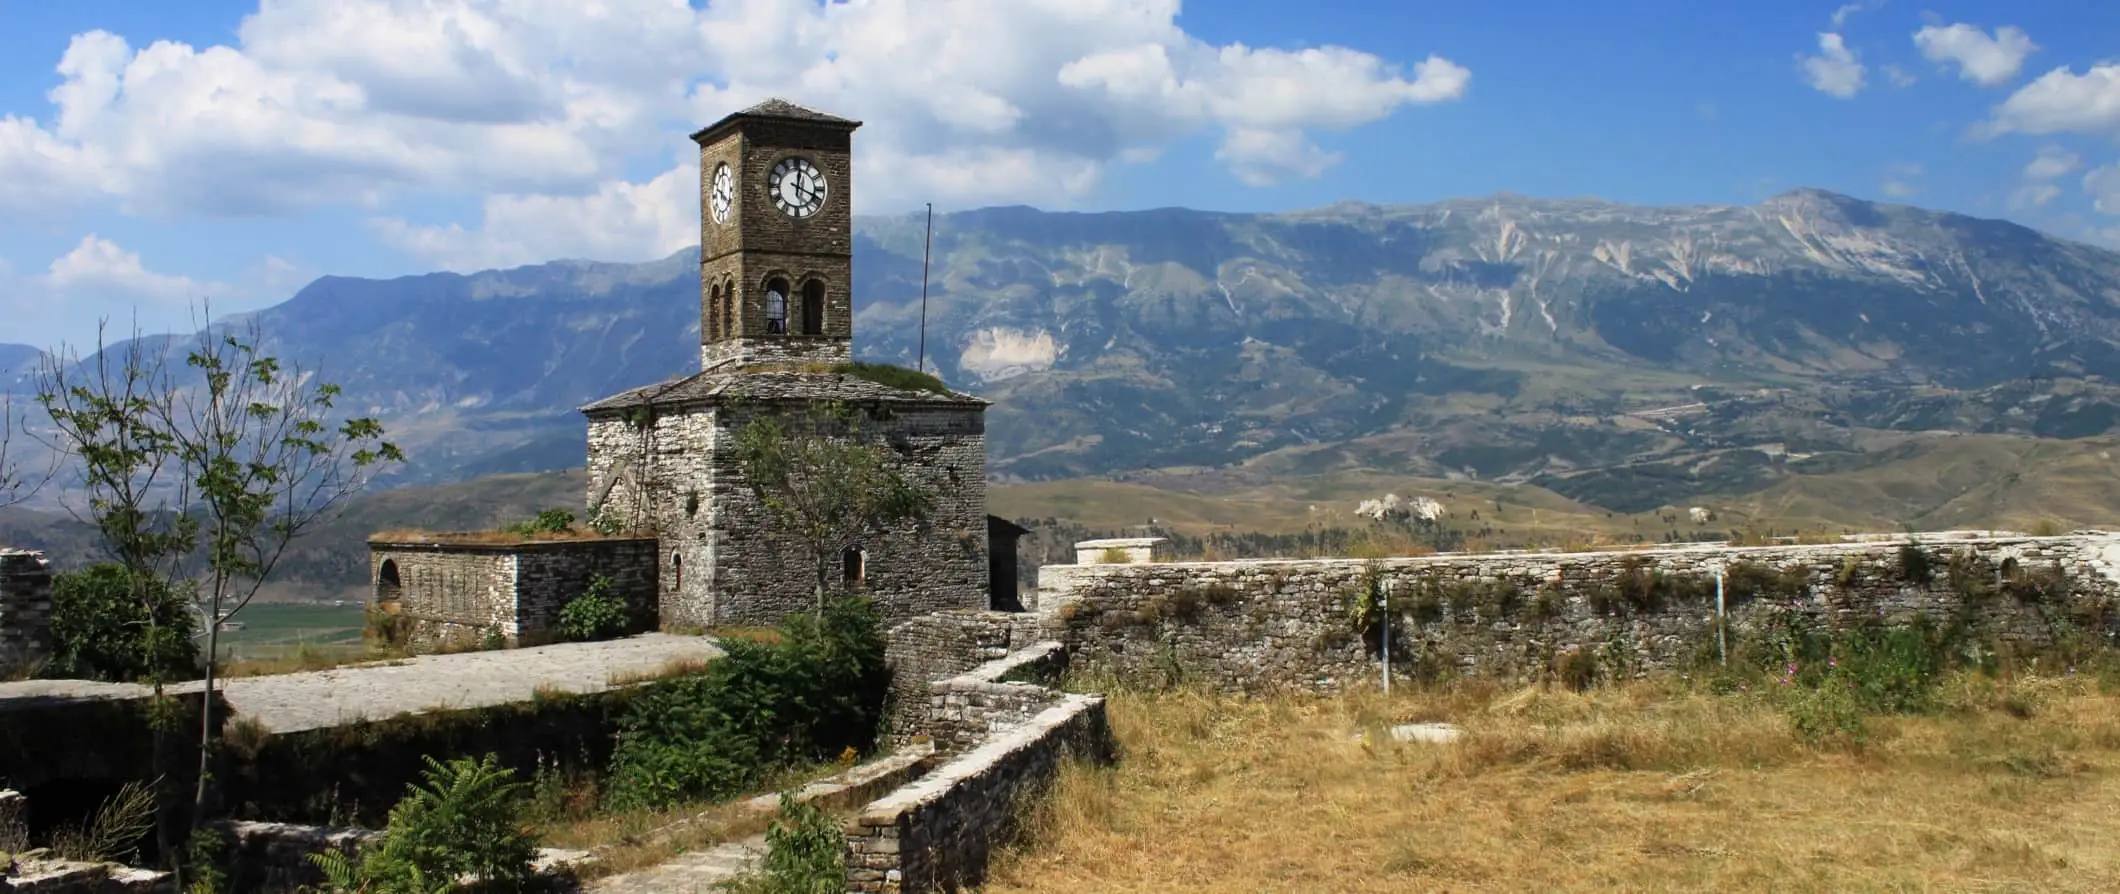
pixel 728 309
pixel 388 591
pixel 677 571
pixel 853 566
pixel 776 306
pixel 813 307
pixel 714 329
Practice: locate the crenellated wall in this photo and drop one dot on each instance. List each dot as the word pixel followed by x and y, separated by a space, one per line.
pixel 25 611
pixel 1264 624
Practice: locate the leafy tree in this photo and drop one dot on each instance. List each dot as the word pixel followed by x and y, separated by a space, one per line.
pixel 256 442
pixel 825 484
pixel 100 631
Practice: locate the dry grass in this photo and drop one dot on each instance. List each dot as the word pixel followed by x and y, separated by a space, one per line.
pixel 625 841
pixel 306 657
pixel 1650 787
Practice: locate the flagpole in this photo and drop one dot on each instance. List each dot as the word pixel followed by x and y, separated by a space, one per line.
pixel 925 250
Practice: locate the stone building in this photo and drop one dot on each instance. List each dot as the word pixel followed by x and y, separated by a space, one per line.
pixel 445 589
pixel 776 335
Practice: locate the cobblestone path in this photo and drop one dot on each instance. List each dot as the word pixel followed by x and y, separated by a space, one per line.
pixel 291 702
pixel 694 873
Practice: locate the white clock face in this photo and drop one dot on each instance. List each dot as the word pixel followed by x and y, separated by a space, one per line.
pixel 797 187
pixel 723 193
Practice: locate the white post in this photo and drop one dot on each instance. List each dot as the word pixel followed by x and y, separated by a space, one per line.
pixel 1384 605
pixel 1722 644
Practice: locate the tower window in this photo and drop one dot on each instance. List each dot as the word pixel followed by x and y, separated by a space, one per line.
pixel 728 308
pixel 777 307
pixel 714 323
pixel 813 307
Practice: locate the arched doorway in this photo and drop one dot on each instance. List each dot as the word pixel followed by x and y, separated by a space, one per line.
pixel 389 592
pixel 853 567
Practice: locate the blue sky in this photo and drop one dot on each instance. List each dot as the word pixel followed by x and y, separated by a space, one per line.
pixel 153 153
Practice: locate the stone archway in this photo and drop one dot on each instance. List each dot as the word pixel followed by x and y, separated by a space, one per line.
pixel 389 590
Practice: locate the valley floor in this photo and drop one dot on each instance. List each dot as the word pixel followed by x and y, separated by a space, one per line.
pixel 1651 787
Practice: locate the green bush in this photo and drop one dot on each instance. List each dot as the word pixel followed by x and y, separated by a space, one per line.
pixel 548 521
pixel 596 614
pixel 805 854
pixel 806 698
pixel 465 822
pixel 102 631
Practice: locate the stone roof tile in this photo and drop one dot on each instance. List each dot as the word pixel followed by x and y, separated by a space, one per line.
pixel 715 386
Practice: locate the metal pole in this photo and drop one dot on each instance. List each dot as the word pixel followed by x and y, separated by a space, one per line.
pixel 926 249
pixel 1722 624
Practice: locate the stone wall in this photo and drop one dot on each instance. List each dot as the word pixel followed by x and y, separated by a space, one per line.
pixel 940 646
pixel 25 612
pixel 450 593
pixel 908 572
pixel 1263 624
pixel 275 858
pixel 962 711
pixel 938 833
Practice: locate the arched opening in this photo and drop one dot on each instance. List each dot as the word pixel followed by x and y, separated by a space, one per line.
pixel 389 592
pixel 2010 570
pixel 677 571
pixel 853 567
pixel 813 307
pixel 728 309
pixel 776 306
pixel 714 329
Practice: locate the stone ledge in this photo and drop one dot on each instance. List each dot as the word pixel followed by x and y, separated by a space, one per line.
pixel 928 789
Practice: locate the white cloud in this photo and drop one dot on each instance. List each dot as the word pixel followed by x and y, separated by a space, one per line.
pixel 2051 162
pixel 545 106
pixel 1840 15
pixel 2062 101
pixel 2033 195
pixel 1984 60
pixel 1899 77
pixel 2103 185
pixel 1900 180
pixel 1834 71
pixel 99 279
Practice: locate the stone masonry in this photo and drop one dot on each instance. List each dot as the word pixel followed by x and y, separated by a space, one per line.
pixel 445 589
pixel 1264 624
pixel 25 611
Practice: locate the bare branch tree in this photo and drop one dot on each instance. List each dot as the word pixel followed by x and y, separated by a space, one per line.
pixel 258 442
pixel 17 483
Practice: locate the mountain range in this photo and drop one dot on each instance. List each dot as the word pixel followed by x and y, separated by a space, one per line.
pixel 1623 357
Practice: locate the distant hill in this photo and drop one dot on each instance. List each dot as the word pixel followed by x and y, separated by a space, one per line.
pixel 1619 358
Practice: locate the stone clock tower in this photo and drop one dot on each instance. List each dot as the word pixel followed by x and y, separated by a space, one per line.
pixel 776 237
pixel 776 332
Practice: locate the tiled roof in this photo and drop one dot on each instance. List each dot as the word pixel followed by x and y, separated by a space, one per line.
pixel 777 108
pixel 772 385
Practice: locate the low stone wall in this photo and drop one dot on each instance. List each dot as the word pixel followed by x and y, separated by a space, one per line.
pixel 277 858
pixel 25 612
pixel 1264 624
pixel 964 710
pixel 73 877
pixel 941 646
pixel 937 833
pixel 446 591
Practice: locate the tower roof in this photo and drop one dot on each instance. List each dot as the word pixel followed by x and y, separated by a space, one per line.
pixel 774 108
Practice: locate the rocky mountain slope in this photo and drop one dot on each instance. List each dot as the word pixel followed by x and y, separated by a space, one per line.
pixel 1624 356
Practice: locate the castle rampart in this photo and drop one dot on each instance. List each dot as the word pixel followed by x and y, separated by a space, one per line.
pixel 1276 623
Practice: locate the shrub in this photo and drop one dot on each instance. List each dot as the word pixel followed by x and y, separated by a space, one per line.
pixel 101 631
pixel 764 705
pixel 805 854
pixel 1915 566
pixel 464 822
pixel 596 614
pixel 548 521
pixel 1113 555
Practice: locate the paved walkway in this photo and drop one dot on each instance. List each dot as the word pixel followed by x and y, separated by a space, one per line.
pixel 694 873
pixel 287 703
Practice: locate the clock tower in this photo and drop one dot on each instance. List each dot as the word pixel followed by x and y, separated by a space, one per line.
pixel 776 240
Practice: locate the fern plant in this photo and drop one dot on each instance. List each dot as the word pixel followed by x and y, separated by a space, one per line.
pixel 461 824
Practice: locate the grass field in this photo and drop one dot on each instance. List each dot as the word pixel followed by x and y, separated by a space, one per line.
pixel 273 630
pixel 2008 786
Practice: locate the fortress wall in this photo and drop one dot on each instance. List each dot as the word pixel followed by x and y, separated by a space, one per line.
pixel 1264 624
pixel 25 611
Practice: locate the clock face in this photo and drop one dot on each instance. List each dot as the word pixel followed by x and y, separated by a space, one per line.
pixel 722 194
pixel 797 187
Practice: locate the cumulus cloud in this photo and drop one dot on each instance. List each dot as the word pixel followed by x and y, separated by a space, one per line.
pixel 1901 180
pixel 1983 59
pixel 97 278
pixel 2103 185
pixel 1834 70
pixel 551 108
pixel 2062 101
pixel 2052 162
